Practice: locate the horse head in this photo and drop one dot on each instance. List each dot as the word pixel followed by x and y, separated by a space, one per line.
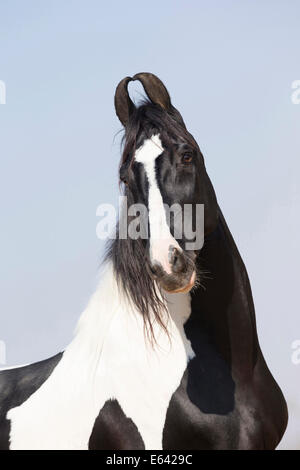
pixel 161 167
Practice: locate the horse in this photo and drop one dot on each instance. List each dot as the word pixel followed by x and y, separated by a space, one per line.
pixel 166 354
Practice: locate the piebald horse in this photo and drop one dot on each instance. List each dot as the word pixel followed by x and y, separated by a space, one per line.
pixel 166 353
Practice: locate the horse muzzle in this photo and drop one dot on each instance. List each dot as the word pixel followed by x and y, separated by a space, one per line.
pixel 180 274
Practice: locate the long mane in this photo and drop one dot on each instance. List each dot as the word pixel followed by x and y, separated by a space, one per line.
pixel 129 257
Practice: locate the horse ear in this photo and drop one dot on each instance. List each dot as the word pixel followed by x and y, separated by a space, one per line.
pixel 155 89
pixel 123 104
pixel 158 94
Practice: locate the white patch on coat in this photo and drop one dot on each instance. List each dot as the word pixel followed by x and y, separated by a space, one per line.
pixel 160 236
pixel 109 358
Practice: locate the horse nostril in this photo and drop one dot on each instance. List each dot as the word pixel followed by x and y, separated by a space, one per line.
pixel 177 260
pixel 156 270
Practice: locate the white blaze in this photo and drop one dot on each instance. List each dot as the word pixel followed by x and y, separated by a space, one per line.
pixel 160 236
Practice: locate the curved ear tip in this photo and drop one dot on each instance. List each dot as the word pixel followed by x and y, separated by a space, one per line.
pixel 123 103
pixel 124 81
pixel 137 76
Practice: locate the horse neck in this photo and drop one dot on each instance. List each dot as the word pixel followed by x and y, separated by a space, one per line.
pixel 109 314
pixel 225 304
pixel 223 310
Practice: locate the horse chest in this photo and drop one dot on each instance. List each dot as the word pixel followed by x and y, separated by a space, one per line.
pixel 123 393
pixel 128 379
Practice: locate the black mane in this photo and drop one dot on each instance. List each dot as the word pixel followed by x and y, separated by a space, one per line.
pixel 129 257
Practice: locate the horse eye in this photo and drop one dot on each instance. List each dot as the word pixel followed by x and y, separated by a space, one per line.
pixel 123 178
pixel 187 158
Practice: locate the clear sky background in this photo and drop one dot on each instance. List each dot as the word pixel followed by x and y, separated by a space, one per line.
pixel 229 66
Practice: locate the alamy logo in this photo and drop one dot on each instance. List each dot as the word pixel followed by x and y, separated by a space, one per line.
pixel 296 352
pixel 2 353
pixel 2 92
pixel 132 222
pixel 295 97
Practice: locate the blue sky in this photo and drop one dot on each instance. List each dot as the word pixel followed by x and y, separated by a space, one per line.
pixel 229 67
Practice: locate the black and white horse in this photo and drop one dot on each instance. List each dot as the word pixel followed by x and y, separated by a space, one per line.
pixel 166 354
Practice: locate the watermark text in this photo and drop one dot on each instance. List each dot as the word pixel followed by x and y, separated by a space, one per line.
pixel 295 96
pixel 2 92
pixel 135 221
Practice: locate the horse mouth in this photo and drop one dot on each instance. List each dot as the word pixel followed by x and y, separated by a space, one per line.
pixel 185 288
pixel 180 274
pixel 176 282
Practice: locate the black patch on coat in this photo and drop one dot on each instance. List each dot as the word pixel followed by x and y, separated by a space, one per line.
pixel 114 431
pixel 188 428
pixel 202 414
pixel 17 385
